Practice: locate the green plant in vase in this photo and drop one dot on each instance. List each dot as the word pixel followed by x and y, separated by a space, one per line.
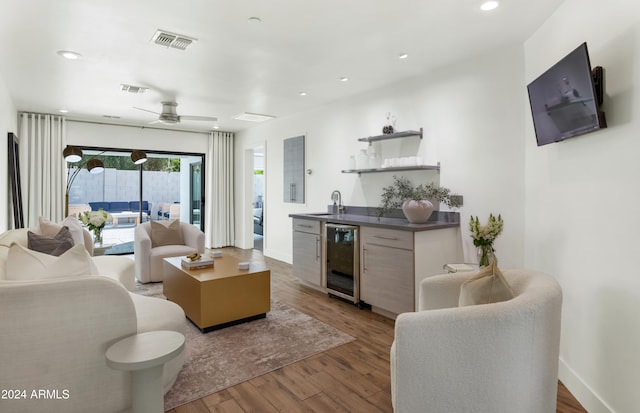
pixel 403 194
pixel 484 235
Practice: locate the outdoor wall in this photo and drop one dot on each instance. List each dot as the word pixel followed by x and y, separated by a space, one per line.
pixel 8 123
pixel 471 113
pixel 581 223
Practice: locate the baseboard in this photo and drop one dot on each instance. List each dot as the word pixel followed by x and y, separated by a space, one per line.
pixel 580 390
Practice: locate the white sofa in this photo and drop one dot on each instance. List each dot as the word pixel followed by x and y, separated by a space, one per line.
pixel 121 269
pixel 149 260
pixel 500 357
pixel 54 334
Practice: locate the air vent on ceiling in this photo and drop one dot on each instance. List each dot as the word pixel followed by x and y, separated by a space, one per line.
pixel 253 117
pixel 133 89
pixel 175 41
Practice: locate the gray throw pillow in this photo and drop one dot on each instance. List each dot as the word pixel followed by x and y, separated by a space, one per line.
pixel 55 246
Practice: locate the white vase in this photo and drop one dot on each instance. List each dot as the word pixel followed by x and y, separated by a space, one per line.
pixel 417 212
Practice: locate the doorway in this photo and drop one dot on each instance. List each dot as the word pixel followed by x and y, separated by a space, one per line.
pixel 167 181
pixel 258 198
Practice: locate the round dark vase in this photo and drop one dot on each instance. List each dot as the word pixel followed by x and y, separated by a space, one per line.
pixel 387 129
pixel 417 212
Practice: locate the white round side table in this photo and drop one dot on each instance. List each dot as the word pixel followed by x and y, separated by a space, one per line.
pixel 144 355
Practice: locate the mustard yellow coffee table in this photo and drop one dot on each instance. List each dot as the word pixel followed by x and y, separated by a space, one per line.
pixel 214 298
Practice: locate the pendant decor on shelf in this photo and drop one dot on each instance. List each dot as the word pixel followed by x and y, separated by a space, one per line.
pixel 390 125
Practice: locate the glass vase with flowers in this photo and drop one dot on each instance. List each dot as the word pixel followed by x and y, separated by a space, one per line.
pixel 96 221
pixel 484 236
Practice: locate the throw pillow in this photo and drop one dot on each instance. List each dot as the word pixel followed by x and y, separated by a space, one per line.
pixel 488 286
pixel 24 264
pixel 55 246
pixel 75 226
pixel 50 229
pixel 168 233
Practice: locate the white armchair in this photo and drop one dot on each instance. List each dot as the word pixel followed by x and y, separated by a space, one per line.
pixel 148 260
pixel 54 334
pixel 500 357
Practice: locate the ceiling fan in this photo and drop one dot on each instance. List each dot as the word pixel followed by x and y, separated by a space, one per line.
pixel 170 116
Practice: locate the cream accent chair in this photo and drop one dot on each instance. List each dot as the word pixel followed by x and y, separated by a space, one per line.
pixel 54 334
pixel 149 261
pixel 500 357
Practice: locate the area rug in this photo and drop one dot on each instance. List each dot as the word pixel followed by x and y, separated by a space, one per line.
pixel 223 358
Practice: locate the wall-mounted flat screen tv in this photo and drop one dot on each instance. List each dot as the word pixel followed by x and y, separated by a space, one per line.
pixel 565 100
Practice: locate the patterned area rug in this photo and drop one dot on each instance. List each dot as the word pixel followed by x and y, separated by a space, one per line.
pixel 223 358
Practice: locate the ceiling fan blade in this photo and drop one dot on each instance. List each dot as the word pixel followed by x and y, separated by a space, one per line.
pixel 147 110
pixel 205 118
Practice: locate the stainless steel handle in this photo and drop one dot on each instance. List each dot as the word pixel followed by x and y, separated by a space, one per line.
pixel 305 226
pixel 292 192
pixel 317 248
pixel 383 237
pixel 364 259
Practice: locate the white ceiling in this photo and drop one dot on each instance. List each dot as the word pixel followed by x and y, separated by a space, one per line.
pixel 237 66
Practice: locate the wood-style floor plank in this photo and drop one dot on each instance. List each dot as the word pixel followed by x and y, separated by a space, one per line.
pixel 351 378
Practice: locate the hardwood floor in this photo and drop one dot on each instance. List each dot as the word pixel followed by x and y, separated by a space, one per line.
pixel 350 378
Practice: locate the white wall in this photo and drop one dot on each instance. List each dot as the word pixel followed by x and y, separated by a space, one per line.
pixel 131 137
pixel 471 113
pixel 8 123
pixel 581 196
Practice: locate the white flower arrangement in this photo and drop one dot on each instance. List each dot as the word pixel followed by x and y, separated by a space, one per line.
pixel 485 234
pixel 483 237
pixel 95 220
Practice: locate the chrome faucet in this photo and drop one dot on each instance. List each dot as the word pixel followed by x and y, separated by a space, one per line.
pixel 336 197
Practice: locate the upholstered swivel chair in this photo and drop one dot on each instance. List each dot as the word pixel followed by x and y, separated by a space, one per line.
pixel 149 259
pixel 500 357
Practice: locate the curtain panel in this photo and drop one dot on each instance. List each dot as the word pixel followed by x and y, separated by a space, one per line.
pixel 220 217
pixel 43 169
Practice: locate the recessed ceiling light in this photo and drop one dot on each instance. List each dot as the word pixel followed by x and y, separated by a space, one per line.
pixel 63 111
pixel 303 93
pixel 67 54
pixel 216 127
pixel 489 5
pixel 255 20
pixel 403 55
pixel 344 79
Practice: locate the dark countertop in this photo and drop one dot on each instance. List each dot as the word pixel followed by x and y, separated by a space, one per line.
pixel 438 220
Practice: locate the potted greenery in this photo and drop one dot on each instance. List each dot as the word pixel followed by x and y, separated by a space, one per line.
pixel 414 200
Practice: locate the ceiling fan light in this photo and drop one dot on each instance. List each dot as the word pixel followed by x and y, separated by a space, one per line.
pixel 138 157
pixel 95 166
pixel 72 154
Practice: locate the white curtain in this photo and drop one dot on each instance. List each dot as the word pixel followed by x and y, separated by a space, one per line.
pixel 219 218
pixel 42 166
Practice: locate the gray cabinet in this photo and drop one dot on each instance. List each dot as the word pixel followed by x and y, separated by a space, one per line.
pixel 293 170
pixel 387 269
pixel 307 251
